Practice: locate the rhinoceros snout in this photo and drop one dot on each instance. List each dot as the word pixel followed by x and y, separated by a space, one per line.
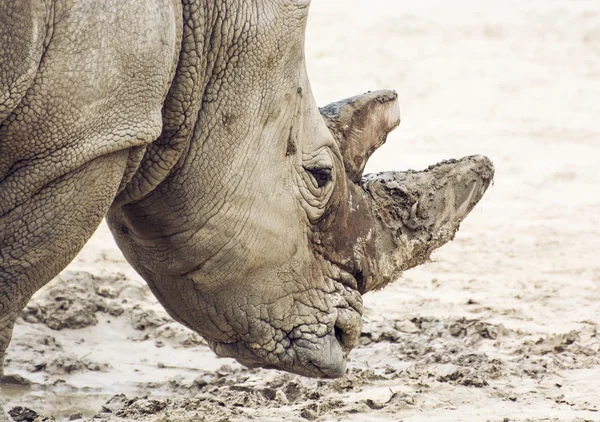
pixel 319 357
pixel 325 357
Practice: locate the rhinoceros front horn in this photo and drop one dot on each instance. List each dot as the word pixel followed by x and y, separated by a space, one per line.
pixel 416 212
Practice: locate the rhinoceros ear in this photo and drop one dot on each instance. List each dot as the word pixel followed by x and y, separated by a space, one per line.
pixel 360 125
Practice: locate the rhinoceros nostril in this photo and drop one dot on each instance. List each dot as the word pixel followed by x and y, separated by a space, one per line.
pixel 360 281
pixel 347 328
pixel 339 333
pixel 346 337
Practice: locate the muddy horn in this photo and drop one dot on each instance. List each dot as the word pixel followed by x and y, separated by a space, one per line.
pixel 406 215
pixel 361 124
pixel 416 212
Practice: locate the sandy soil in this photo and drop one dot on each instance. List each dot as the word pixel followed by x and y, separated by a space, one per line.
pixel 501 326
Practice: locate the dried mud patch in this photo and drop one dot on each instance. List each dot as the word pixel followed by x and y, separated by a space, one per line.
pixel 398 367
pixel 75 301
pixel 45 354
pixel 455 352
pixel 423 356
pixel 471 352
pixel 239 396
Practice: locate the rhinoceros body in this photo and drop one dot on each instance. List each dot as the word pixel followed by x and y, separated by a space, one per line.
pixel 191 126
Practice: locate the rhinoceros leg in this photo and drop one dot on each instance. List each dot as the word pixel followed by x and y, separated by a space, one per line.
pixel 79 131
pixel 41 236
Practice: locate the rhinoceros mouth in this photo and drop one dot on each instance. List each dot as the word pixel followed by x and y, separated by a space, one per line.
pixel 324 357
pixel 310 351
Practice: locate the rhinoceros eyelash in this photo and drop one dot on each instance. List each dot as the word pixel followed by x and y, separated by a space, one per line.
pixel 321 175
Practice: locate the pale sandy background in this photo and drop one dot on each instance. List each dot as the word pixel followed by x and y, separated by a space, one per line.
pixel 502 325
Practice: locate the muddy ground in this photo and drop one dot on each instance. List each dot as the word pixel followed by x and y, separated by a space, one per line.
pixel 502 325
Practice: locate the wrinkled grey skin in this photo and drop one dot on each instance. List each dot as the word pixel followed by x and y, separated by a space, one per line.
pixel 192 126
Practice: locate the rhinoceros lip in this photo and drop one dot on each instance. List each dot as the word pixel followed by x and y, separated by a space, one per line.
pixel 244 355
pixel 345 331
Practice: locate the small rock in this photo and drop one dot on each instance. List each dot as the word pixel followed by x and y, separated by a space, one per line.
pixel 72 315
pixel 406 327
pixel 106 291
pixel 457 330
pixel 490 331
pixel 76 416
pixel 224 370
pixel 142 319
pixel 402 400
pixel 571 337
pixel 309 412
pixel 14 379
pixel 280 397
pixel 22 414
pixel 389 335
pixel 115 403
pixel 269 393
pixel 199 383
pixel 365 341
pixel 373 404
pixel 114 310
pixel 148 406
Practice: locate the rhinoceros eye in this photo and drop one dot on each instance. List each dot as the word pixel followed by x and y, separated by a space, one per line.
pixel 322 176
pixel 316 182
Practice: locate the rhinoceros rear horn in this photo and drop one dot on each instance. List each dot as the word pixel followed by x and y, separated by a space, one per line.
pixel 361 125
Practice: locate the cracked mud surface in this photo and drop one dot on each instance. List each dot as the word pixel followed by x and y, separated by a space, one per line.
pixel 501 326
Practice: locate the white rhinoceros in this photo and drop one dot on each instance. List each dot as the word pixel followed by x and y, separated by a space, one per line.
pixel 191 125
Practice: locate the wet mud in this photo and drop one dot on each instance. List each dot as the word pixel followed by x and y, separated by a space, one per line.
pixel 415 356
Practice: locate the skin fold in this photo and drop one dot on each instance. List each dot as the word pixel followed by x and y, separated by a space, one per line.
pixel 194 130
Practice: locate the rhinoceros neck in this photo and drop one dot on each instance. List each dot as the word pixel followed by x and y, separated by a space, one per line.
pixel 228 156
pixel 152 165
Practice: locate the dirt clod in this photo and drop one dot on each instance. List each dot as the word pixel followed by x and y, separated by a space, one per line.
pixel 22 414
pixel 140 407
pixel 309 412
pixel 14 379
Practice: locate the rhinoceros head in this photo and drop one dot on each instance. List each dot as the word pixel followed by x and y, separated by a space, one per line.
pixel 265 234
